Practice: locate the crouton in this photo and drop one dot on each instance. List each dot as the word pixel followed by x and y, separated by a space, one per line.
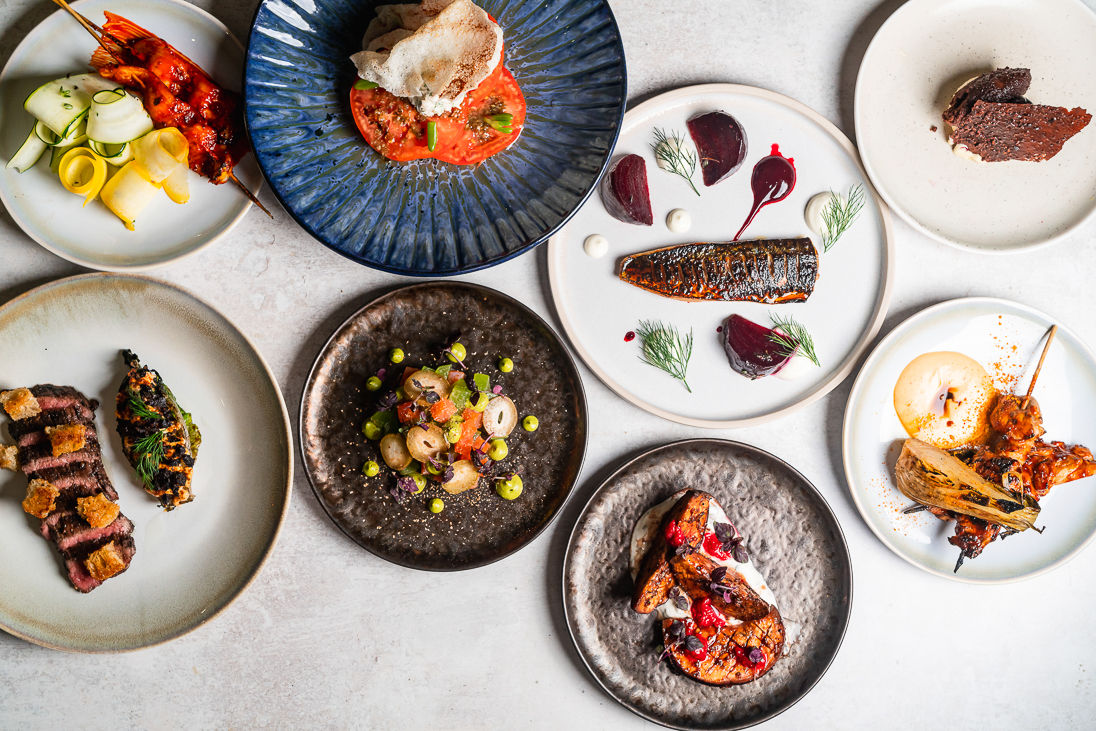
pixel 67 438
pixel 9 457
pixel 41 498
pixel 20 403
pixel 105 562
pixel 97 510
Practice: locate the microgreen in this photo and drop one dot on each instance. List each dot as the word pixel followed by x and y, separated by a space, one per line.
pixel 679 599
pixel 670 150
pixel 666 349
pixel 792 337
pixel 839 214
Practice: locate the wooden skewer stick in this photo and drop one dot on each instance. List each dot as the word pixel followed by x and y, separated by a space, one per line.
pixel 249 194
pixel 1039 366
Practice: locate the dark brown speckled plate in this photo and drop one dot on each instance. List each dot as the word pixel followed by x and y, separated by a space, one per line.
pixel 476 527
pixel 792 537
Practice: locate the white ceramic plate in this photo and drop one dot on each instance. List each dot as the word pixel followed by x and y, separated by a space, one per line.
pixel 93 236
pixel 191 562
pixel 1007 339
pixel 916 61
pixel 843 314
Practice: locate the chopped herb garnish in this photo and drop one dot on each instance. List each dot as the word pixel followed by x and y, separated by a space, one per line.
pixel 363 85
pixel 666 349
pixel 149 452
pixel 65 93
pixel 840 214
pixel 139 408
pixel 431 135
pixel 792 337
pixel 501 123
pixel 678 159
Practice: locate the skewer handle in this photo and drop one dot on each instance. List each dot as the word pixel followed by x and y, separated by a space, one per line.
pixel 1039 366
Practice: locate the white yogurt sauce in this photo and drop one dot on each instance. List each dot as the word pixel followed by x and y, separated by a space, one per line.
pixel 596 245
pixel 679 220
pixel 813 212
pixel 796 367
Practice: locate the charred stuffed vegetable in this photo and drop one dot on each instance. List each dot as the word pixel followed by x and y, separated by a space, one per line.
pixel 159 438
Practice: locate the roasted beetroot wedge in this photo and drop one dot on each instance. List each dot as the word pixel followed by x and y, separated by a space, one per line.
pixel 721 142
pixel 750 348
pixel 625 193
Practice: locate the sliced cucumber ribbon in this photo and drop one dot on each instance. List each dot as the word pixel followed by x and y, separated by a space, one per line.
pixel 116 117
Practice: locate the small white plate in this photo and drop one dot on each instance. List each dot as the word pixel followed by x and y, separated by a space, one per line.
pixel 192 562
pixel 917 60
pixel 1007 339
pixel 92 236
pixel 845 311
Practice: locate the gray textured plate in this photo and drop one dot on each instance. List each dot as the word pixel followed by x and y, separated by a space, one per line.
pixel 794 539
pixel 476 527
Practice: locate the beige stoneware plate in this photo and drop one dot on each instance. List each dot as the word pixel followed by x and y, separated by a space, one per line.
pixel 192 562
pixel 844 312
pixel 917 59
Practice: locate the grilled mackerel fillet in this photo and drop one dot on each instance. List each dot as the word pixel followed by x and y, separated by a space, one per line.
pixel 158 438
pixel 763 270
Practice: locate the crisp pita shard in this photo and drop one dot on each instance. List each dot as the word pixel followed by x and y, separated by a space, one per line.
pixel 432 54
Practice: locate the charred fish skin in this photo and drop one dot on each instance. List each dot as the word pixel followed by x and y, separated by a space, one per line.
pixel 159 439
pixel 770 271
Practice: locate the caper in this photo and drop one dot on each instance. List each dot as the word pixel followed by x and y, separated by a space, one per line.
pixel 372 431
pixel 371 469
pixel 420 483
pixel 395 355
pixel 498 449
pixel 530 423
pixel 457 352
pixel 437 505
pixel 509 489
pixel 373 384
pixel 506 365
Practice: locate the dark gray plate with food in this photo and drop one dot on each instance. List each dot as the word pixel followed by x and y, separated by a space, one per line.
pixel 792 537
pixel 476 526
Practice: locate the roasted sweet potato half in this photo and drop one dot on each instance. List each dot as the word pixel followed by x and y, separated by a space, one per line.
pixel 693 573
pixel 728 648
pixel 654 580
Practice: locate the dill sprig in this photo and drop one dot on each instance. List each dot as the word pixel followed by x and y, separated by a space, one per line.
pixel 679 159
pixel 149 452
pixel 840 214
pixel 139 408
pixel 792 337
pixel 666 349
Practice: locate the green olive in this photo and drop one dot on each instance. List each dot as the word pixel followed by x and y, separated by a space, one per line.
pixel 452 434
pixel 373 384
pixel 432 469
pixel 509 489
pixel 457 352
pixel 498 449
pixel 372 431
pixel 420 483
pixel 482 399
pixel 437 505
pixel 371 469
pixel 506 365
pixel 395 355
pixel 530 423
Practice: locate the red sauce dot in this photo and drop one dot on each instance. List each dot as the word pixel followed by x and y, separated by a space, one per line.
pixel 629 336
pixel 719 329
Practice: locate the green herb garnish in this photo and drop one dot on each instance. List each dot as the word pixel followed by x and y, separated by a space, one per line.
pixel 139 408
pixel 363 85
pixel 680 160
pixel 840 214
pixel 792 337
pixel 666 349
pixel 501 122
pixel 149 452
pixel 431 135
pixel 64 92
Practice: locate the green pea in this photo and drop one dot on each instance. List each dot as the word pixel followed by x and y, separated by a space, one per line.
pixel 372 431
pixel 481 401
pixel 530 423
pixel 373 384
pixel 437 505
pixel 420 483
pixel 395 355
pixel 371 469
pixel 498 449
pixel 457 352
pixel 431 135
pixel 506 365
pixel 432 469
pixel 509 489
pixel 452 434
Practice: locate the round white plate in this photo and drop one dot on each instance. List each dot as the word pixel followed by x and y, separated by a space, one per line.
pixel 843 314
pixel 916 61
pixel 92 236
pixel 192 562
pixel 1007 339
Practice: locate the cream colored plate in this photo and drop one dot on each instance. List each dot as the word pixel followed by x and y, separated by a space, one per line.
pixel 192 562
pixel 918 58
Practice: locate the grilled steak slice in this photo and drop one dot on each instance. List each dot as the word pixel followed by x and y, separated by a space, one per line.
pixel 78 572
pixel 159 439
pixel 654 580
pixel 74 537
pixel 769 271
pixel 78 479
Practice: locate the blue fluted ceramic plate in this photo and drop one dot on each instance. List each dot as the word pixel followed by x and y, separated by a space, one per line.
pixel 425 217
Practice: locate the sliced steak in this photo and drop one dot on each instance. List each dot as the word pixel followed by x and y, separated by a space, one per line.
pixel 74 537
pixel 78 572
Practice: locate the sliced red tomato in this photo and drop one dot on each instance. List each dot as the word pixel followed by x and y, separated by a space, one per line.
pixel 443 410
pixel 406 412
pixel 394 128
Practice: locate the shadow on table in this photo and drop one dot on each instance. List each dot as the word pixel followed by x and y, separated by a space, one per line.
pixel 854 54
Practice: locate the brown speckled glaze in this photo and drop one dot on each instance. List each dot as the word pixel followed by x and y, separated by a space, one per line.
pixel 476 527
pixel 792 537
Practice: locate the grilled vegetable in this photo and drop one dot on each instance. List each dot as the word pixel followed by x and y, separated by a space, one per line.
pixel 770 271
pixel 933 477
pixel 159 439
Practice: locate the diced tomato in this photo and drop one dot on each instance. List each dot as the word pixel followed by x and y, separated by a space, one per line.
pixel 706 615
pixel 455 376
pixel 714 547
pixel 472 419
pixel 407 413
pixel 478 443
pixel 443 410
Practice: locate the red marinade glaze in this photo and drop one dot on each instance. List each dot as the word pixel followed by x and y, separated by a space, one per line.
pixel 714 547
pixel 773 180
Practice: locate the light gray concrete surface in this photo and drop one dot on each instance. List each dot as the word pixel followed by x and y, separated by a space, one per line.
pixel 330 637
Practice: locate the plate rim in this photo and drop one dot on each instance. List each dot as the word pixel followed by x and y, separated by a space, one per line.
pixel 583 414
pixel 882 303
pixel 731 444
pixel 893 203
pixel 206 17
pixel 77 279
pixel 439 274
pixel 855 393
